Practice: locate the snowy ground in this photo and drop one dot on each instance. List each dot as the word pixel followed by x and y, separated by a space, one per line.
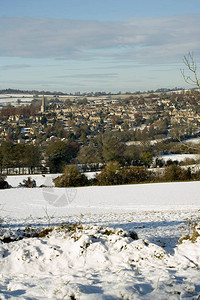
pixel 193 140
pixel 98 258
pixel 179 157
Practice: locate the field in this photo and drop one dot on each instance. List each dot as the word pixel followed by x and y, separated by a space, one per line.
pixel 81 243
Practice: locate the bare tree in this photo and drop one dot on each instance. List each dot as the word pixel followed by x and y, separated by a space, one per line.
pixel 191 76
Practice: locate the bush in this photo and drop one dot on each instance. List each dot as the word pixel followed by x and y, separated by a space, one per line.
pixel 29 183
pixel 193 231
pixel 176 173
pixel 3 182
pixel 170 162
pixel 72 177
pixel 196 175
pixel 159 162
pixel 146 159
pixel 112 174
pixel 188 161
pixel 135 174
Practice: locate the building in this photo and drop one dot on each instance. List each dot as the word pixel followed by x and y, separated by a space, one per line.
pixel 43 106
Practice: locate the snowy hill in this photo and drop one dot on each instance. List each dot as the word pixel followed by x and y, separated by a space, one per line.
pixel 94 253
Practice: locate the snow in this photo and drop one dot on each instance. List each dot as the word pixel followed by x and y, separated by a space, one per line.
pixel 12 98
pixel 193 140
pixel 93 254
pixel 179 157
pixel 44 179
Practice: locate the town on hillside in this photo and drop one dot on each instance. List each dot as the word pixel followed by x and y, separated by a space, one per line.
pixel 47 131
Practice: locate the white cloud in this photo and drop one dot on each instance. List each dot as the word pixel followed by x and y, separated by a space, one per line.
pixel 91 76
pixel 15 66
pixel 138 39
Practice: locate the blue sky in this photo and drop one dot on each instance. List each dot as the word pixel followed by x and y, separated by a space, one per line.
pixel 90 45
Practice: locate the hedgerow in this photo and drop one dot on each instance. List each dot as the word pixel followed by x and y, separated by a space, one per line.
pixel 114 174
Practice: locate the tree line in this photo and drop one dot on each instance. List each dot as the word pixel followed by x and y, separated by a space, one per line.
pixel 114 174
pixel 56 154
pixel 98 152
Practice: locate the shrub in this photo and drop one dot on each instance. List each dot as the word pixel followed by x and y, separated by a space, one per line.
pixel 146 159
pixel 170 162
pixel 188 161
pixel 1 221
pixel 134 174
pixel 112 174
pixel 3 182
pixel 29 183
pixel 109 175
pixel 176 173
pixel 159 162
pixel 196 175
pixel 193 231
pixel 72 177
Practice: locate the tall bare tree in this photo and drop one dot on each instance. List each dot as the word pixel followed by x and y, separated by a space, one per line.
pixel 191 75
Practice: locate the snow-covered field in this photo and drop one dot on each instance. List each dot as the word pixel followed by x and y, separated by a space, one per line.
pixel 97 256
pixel 13 98
pixel 179 157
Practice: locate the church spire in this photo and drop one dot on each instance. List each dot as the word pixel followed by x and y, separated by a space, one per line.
pixel 43 106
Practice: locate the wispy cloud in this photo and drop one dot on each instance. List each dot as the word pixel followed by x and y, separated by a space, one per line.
pixel 138 39
pixel 91 76
pixel 15 66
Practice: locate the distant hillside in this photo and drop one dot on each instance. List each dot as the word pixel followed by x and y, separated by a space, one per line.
pixel 88 94
pixel 32 92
